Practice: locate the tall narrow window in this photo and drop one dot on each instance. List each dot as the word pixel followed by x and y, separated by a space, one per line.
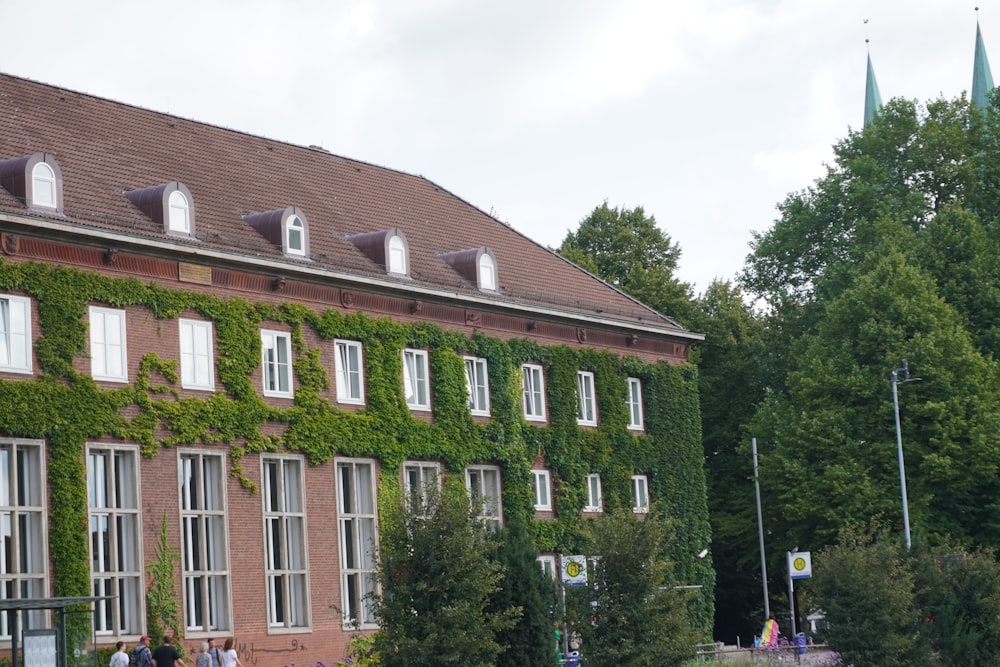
pixel 295 235
pixel 477 386
pixel 540 487
pixel 415 381
pixel 420 480
pixel 595 501
pixel 276 360
pixel 533 386
pixel 108 356
pixel 15 334
pixel 487 272
pixel 24 556
pixel 115 563
pixel 178 213
pixel 640 494
pixel 197 370
pixel 397 260
pixel 285 543
pixel 548 565
pixel 203 542
pixel 635 422
pixel 350 373
pixel 586 415
pixel 44 187
pixel 483 485
pixel 358 540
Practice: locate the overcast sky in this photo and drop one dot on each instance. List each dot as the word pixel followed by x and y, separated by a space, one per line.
pixel 706 113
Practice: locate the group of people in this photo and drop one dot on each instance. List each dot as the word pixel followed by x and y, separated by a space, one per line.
pixel 166 654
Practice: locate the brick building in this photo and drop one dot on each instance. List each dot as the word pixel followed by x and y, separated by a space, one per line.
pixel 236 347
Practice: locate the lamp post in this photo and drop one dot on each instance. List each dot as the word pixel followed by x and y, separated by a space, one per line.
pixel 905 370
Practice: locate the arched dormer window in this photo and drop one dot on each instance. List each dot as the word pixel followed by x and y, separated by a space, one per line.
pixel 36 179
pixel 168 204
pixel 387 248
pixel 477 265
pixel 286 228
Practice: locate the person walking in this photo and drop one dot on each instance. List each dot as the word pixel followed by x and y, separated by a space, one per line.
pixel 166 655
pixel 229 657
pixel 203 659
pixel 143 656
pixel 120 657
pixel 215 653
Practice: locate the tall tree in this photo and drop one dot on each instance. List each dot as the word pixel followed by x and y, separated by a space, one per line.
pixel 626 248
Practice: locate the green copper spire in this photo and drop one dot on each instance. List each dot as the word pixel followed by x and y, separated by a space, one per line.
pixel 982 78
pixel 873 101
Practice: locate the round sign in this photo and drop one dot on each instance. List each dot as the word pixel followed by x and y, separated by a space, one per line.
pixel 573 569
pixel 799 563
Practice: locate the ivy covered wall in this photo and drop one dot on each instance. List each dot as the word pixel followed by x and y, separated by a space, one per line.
pixel 67 408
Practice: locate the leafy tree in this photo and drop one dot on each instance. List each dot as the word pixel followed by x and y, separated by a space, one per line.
pixel 437 577
pixel 630 615
pixel 625 248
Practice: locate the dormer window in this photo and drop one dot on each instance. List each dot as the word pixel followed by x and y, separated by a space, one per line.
pixel 387 248
pixel 168 204
pixel 36 179
pixel 478 265
pixel 284 227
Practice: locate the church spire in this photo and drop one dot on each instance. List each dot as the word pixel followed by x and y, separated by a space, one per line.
pixel 873 100
pixel 982 78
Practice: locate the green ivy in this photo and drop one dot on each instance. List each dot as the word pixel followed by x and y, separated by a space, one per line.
pixel 67 409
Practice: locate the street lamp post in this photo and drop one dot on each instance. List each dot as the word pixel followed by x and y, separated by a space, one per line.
pixel 905 370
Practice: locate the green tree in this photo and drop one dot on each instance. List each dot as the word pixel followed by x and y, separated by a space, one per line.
pixel 625 248
pixel 630 614
pixel 438 575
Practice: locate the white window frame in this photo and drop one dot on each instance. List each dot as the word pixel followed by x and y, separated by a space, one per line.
pixel 349 368
pixel 548 564
pixel 541 487
pixel 419 478
pixel 108 345
pixel 196 343
pixel 15 334
pixel 489 500
pixel 294 226
pixel 595 495
pixel 533 392
pixel 640 494
pixel 357 512
pixel 477 386
pixel 286 553
pixel 178 213
pixel 116 562
pixel 273 369
pixel 204 541
pixel 416 379
pixel 44 184
pixel 397 261
pixel 487 272
pixel 23 525
pixel 635 418
pixel 586 399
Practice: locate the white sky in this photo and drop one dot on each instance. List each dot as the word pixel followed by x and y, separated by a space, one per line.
pixel 705 112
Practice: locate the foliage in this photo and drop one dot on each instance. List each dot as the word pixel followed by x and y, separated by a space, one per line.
pixel 630 614
pixel 163 612
pixel 438 577
pixel 362 652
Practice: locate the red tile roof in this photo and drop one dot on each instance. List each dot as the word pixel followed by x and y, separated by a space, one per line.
pixel 106 148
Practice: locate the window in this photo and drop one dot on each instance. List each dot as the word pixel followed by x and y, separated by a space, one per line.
pixel 586 416
pixel 197 370
pixel 483 484
pixel 595 501
pixel 487 272
pixel 415 385
pixel 533 386
pixel 635 404
pixel 178 213
pixel 295 234
pixel 358 540
pixel 107 345
pixel 285 543
pixel 23 557
pixel 44 186
pixel 640 494
pixel 540 487
pixel 276 349
pixel 115 561
pixel 396 261
pixel 204 542
pixel 420 479
pixel 350 374
pixel 548 565
pixel 477 386
pixel 15 334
